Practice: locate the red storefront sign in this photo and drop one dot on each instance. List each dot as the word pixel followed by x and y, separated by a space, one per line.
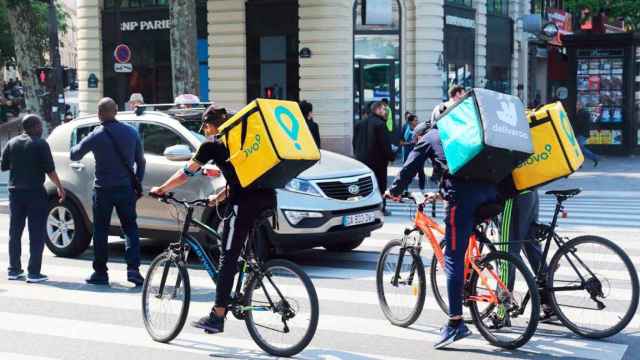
pixel 562 19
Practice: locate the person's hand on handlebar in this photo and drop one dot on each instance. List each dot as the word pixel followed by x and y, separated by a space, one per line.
pixel 432 197
pixel 157 191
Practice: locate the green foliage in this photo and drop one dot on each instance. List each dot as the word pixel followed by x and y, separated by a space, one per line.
pixel 627 9
pixel 40 29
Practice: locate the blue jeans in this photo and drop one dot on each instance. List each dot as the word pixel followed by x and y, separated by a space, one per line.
pixel 123 199
pixel 466 198
pixel 23 205
pixel 582 141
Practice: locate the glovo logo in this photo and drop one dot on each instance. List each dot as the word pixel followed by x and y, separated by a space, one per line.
pixel 255 146
pixel 566 127
pixel 536 158
pixel 292 129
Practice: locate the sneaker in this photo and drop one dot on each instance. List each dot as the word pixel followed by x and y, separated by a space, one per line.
pixel 548 315
pixel 16 275
pixel 134 276
pixel 36 278
pixel 98 279
pixel 211 324
pixel 450 334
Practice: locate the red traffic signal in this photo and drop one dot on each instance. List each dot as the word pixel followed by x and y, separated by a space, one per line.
pixel 43 74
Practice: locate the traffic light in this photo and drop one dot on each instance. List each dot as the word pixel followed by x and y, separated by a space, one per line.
pixel 44 75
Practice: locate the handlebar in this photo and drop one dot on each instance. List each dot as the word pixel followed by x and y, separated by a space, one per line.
pixel 169 197
pixel 412 198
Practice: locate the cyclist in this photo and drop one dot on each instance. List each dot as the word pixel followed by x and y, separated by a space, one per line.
pixel 247 206
pixel 464 198
pixel 519 214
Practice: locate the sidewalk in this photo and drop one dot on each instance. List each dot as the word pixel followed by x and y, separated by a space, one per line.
pixel 614 177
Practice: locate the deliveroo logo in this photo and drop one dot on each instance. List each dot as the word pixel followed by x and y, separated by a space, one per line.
pixel 566 127
pixel 293 131
pixel 508 113
pixel 536 158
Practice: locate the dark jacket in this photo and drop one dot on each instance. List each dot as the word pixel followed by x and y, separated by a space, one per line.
pixel 28 159
pixel 371 142
pixel 315 131
pixel 110 172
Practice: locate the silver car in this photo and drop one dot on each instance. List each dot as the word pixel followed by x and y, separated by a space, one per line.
pixel 332 204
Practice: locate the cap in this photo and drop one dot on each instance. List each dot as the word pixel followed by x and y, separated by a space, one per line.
pixel 215 116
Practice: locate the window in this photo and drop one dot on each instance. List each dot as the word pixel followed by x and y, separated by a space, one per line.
pixel 81 133
pixel 460 2
pixel 498 7
pixel 156 138
pixel 499 79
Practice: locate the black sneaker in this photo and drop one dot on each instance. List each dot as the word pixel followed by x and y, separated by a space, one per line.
pixel 134 276
pixel 36 278
pixel 211 324
pixel 548 315
pixel 16 275
pixel 98 279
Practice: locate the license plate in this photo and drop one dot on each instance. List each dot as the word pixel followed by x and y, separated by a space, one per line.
pixel 359 219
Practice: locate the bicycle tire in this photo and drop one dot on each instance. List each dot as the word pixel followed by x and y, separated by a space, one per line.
pixel 420 296
pixel 146 287
pixel 532 324
pixel 255 283
pixel 433 277
pixel 626 319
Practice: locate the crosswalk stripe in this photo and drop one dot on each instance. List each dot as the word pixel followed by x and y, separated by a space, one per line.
pixel 15 356
pixel 198 282
pixel 137 336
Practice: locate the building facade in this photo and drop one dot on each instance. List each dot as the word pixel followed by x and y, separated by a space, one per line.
pixel 339 55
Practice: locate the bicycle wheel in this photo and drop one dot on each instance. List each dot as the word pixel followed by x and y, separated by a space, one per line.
pixel 401 303
pixel 281 308
pixel 165 298
pixel 605 295
pixel 513 316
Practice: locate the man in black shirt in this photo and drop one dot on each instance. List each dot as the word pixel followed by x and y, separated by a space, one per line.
pixel 28 158
pixel 247 206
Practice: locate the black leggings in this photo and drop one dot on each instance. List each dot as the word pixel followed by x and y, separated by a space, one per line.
pixel 247 206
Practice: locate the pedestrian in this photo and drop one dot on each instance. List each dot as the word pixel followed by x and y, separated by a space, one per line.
pixel 67 117
pixel 116 147
pixel 134 100
pixel 372 145
pixel 186 101
pixel 409 144
pixel 28 158
pixel 307 111
pixel 581 129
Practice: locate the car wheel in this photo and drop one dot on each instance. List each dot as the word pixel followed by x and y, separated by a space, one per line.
pixel 67 234
pixel 345 246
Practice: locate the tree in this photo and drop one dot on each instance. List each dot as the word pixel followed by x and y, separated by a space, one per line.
pixel 28 23
pixel 629 10
pixel 183 39
pixel 7 51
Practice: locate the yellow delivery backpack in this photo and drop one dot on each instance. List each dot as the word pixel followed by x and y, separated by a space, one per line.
pixel 269 143
pixel 556 150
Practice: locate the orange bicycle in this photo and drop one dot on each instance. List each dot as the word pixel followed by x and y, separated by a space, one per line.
pixel 498 308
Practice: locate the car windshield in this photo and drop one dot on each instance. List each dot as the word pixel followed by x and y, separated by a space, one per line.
pixel 194 128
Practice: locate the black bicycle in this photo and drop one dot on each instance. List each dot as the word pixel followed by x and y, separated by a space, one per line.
pixel 590 282
pixel 276 299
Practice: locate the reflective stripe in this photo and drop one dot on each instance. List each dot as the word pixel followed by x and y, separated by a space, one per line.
pixel 232 226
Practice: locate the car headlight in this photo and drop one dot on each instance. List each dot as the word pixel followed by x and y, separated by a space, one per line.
pixel 302 187
pixel 295 217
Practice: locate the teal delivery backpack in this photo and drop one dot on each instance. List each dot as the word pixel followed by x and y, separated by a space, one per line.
pixel 485 136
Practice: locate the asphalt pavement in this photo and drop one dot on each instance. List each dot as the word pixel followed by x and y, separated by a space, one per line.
pixel 67 319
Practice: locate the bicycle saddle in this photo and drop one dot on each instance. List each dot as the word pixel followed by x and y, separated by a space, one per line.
pixel 564 193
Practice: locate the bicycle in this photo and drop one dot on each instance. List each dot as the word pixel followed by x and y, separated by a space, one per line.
pixel 497 312
pixel 258 297
pixel 565 288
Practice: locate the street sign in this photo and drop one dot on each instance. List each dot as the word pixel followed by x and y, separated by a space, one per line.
pixel 92 81
pixel 122 54
pixel 122 68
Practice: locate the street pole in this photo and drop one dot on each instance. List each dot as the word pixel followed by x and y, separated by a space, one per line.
pixel 57 95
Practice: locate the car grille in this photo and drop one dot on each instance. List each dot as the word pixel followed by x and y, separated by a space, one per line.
pixel 346 190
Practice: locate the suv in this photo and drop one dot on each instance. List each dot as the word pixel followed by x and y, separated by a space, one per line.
pixel 332 204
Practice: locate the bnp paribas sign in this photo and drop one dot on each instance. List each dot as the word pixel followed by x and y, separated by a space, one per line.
pixel 145 25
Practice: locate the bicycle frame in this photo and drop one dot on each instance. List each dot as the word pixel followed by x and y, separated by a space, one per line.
pixel 427 226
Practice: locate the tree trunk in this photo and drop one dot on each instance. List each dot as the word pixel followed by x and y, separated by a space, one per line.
pixel 184 56
pixel 23 20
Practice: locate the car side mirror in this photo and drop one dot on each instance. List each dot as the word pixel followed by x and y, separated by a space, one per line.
pixel 178 153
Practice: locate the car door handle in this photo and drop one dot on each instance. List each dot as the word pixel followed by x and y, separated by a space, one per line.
pixel 77 166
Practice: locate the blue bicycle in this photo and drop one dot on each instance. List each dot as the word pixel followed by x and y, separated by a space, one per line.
pixel 276 299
